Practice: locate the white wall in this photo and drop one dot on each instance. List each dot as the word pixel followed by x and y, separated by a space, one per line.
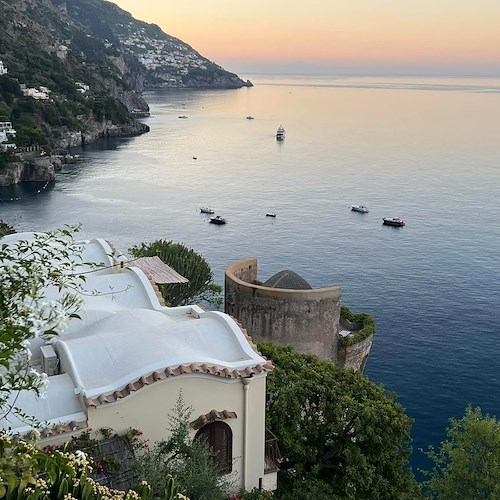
pixel 147 410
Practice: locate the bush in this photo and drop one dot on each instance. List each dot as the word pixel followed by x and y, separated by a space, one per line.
pixel 367 328
pixel 189 264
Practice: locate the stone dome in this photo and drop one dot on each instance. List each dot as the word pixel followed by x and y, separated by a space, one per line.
pixel 288 280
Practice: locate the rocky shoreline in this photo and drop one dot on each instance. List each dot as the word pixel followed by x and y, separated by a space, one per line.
pixel 35 166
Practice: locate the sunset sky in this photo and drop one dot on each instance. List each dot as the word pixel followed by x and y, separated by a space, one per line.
pixel 379 36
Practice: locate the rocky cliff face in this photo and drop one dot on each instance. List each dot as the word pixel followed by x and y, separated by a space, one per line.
pixel 30 169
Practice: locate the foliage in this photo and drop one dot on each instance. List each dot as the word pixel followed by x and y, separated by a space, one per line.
pixel 467 465
pixel 27 268
pixel 5 229
pixel 189 264
pixel 26 472
pixel 190 462
pixel 255 494
pixel 6 157
pixel 336 427
pixel 367 326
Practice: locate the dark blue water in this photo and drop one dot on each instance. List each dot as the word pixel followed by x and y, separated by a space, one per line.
pixel 426 150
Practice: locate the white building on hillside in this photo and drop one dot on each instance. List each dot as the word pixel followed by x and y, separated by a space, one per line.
pixel 7 134
pixel 124 363
pixel 3 69
pixel 36 93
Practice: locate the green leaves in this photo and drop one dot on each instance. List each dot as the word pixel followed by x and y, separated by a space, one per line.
pixel 189 264
pixel 467 465
pixel 336 427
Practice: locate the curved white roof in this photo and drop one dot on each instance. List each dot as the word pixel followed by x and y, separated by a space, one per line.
pixel 133 343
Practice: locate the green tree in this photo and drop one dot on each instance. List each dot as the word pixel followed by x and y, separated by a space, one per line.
pixel 189 264
pixel 336 430
pixel 467 464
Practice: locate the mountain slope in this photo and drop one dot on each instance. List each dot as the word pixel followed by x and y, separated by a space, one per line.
pixel 164 60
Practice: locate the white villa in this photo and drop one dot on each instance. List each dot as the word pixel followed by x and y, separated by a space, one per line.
pixel 7 133
pixel 124 363
pixel 34 93
pixel 3 69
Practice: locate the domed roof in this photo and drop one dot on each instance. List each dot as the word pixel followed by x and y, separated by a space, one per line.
pixel 288 280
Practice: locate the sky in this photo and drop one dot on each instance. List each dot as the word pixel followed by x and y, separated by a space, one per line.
pixel 442 37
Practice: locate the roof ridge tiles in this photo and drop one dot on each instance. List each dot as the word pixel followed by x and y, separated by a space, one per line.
pixel 156 376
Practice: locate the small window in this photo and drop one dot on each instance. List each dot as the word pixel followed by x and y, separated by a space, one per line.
pixel 219 437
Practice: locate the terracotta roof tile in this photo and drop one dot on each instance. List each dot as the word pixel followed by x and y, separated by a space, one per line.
pixel 210 417
pixel 184 370
pixel 174 372
pixel 57 429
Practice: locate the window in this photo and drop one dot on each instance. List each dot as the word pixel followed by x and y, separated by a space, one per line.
pixel 219 437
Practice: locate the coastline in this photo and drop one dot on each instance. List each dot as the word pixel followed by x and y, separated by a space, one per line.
pixel 36 166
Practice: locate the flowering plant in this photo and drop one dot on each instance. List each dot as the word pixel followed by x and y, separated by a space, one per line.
pixel 28 268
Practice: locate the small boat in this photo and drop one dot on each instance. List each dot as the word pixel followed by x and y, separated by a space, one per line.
pixel 217 220
pixel 249 117
pixel 207 210
pixel 393 221
pixel 269 214
pixel 183 116
pixel 359 208
pixel 280 133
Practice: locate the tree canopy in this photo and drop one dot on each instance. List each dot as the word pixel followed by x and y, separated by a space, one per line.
pixel 467 464
pixel 189 264
pixel 337 430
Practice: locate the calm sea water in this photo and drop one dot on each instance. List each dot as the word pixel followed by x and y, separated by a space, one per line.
pixel 426 150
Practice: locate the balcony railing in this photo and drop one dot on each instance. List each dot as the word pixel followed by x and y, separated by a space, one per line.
pixel 272 454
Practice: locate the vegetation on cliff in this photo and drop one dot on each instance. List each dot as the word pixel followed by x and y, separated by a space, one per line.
pixel 340 435
pixel 362 324
pixel 82 87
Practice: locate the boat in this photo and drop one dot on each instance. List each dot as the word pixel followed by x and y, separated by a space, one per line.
pixel 207 210
pixel 359 208
pixel 393 221
pixel 280 133
pixel 249 117
pixel 217 220
pixel 269 214
pixel 183 116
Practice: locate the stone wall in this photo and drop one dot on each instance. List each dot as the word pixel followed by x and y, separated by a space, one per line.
pixel 307 319
pixel 355 356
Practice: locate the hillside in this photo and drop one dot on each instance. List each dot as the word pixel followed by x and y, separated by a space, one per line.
pixel 74 70
pixel 163 60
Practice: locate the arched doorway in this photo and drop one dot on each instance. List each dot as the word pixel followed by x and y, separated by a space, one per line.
pixel 219 438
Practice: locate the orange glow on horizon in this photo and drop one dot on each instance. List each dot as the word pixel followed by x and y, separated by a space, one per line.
pixel 461 32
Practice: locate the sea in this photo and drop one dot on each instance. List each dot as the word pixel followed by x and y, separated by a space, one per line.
pixel 423 149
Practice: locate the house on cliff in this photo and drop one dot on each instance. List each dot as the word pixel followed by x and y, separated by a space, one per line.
pixel 123 364
pixel 285 310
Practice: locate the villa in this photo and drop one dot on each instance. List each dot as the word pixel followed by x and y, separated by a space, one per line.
pixel 123 364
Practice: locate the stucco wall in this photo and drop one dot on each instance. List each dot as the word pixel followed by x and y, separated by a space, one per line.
pixel 147 410
pixel 307 319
